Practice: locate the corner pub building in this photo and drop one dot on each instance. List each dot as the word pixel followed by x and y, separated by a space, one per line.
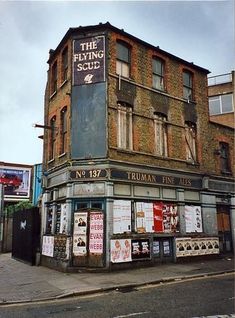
pixel 134 172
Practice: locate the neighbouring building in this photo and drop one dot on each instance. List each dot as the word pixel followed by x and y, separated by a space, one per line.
pixel 221 92
pixel 133 172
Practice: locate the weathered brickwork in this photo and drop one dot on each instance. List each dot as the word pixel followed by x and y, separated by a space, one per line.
pixel 137 91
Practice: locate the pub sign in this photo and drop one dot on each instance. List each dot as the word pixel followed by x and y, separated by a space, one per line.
pixel 89 60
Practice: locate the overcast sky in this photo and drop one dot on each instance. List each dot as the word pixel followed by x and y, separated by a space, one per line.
pixel 197 31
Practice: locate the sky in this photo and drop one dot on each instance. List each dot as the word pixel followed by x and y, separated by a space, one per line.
pixel 201 32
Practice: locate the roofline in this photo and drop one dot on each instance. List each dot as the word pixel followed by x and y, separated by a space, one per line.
pixel 108 26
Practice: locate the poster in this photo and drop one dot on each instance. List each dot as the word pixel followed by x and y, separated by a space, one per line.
pixel 121 216
pixel 140 249
pixel 58 219
pixel 193 219
pixel 80 234
pixel 80 223
pixel 166 248
pixel 166 218
pixel 96 233
pixel 196 246
pixel 121 251
pixel 158 217
pixel 48 246
pixel 64 219
pixel 61 247
pixel 144 217
pixel 156 248
pixel 79 244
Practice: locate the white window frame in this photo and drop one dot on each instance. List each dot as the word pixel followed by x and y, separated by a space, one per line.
pixel 220 99
pixel 160 135
pixel 124 123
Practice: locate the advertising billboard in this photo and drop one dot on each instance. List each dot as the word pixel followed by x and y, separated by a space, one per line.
pixel 16 182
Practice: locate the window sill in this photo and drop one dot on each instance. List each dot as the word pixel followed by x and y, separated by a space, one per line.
pixel 51 160
pixel 53 94
pixel 64 82
pixel 62 155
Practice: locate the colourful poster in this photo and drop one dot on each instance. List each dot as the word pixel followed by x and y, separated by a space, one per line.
pixel 120 250
pixel 96 233
pixel 158 217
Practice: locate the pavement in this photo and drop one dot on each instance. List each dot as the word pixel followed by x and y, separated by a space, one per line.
pixel 20 282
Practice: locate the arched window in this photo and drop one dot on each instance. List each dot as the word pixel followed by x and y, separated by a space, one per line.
pixel 124 125
pixel 63 126
pixel 52 137
pixel 160 131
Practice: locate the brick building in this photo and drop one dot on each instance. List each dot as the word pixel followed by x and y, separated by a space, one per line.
pixel 132 172
pixel 221 92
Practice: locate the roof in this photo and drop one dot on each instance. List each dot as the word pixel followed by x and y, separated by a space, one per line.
pixel 108 26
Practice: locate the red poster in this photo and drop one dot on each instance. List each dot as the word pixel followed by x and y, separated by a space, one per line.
pixel 158 216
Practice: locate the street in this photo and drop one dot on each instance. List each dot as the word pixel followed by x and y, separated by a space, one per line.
pixel 207 296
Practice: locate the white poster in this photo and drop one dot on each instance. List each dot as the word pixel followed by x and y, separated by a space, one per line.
pixel 149 217
pixel 197 219
pixel 193 219
pixel 64 219
pixel 121 216
pixel 144 217
pixel 79 245
pixel 96 233
pixel 80 223
pixel 48 246
pixel 121 251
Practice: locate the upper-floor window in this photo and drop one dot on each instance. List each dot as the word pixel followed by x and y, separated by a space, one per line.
pixel 54 75
pixel 123 60
pixel 160 131
pixel 187 85
pixel 190 139
pixel 52 138
pixel 221 104
pixel 224 157
pixel 63 117
pixel 158 74
pixel 64 65
pixel 124 125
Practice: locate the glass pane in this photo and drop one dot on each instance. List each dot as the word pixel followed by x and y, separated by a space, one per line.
pixel 187 93
pixel 125 70
pixel 158 82
pixel 214 106
pixel 187 79
pixel 97 205
pixel 227 103
pixel 157 67
pixel 81 205
pixel 122 52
